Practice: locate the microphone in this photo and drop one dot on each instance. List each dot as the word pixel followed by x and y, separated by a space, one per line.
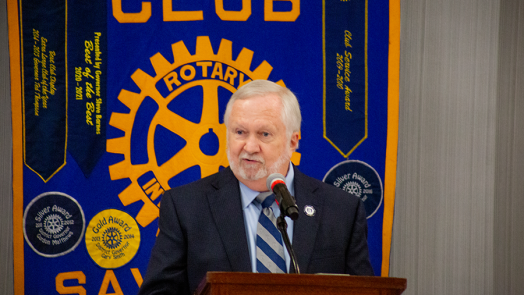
pixel 277 184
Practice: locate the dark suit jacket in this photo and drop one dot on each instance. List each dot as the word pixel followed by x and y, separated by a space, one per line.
pixel 202 229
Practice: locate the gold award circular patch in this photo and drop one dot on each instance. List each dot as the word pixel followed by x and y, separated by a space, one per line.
pixel 112 238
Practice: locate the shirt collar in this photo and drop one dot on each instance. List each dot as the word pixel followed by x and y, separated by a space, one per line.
pixel 248 195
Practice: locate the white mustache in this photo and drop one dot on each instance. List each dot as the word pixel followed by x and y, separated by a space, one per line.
pixel 246 156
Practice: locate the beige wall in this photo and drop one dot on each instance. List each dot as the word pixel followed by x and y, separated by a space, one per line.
pixel 509 156
pixel 459 226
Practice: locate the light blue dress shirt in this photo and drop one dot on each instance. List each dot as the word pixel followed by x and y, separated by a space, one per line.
pixel 252 212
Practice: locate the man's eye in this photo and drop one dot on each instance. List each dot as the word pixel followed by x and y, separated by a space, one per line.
pixel 265 134
pixel 240 132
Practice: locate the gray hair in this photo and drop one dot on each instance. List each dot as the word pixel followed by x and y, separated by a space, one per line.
pixel 290 112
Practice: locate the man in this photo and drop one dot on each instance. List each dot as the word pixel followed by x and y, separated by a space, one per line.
pixel 211 224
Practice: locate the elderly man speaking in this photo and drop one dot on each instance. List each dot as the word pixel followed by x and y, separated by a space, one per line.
pixel 226 221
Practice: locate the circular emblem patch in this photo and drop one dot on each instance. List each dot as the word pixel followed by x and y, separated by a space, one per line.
pixel 360 179
pixel 53 224
pixel 112 238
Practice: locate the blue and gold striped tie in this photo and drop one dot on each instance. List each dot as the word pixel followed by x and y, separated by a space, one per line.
pixel 270 252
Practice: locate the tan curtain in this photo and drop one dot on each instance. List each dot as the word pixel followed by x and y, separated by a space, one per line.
pixel 459 226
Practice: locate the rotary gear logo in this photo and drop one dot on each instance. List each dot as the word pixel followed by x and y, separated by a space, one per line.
pixel 112 238
pixel 353 187
pixel 53 224
pixel 206 70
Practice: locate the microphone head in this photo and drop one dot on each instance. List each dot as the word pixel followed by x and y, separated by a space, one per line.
pixel 274 179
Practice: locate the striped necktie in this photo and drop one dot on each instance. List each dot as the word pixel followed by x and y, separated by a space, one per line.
pixel 270 252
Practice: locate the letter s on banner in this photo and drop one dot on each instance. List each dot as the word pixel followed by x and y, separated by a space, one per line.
pixel 78 275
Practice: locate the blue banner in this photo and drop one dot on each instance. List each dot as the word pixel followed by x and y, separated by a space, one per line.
pixel 44 86
pixel 87 76
pixel 123 100
pixel 346 74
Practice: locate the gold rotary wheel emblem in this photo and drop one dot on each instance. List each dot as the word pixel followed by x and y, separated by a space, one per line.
pixel 219 70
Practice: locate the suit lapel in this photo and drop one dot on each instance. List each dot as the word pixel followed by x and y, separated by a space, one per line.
pixel 305 227
pixel 226 208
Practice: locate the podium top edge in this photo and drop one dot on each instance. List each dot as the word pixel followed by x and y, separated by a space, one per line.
pixel 334 280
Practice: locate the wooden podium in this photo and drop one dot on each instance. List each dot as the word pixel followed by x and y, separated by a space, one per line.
pixel 229 283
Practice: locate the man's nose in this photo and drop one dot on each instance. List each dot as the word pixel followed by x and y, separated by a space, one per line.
pixel 252 145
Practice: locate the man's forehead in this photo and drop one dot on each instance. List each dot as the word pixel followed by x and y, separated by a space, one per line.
pixel 247 123
pixel 259 111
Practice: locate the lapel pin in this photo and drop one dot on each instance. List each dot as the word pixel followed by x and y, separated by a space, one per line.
pixel 309 210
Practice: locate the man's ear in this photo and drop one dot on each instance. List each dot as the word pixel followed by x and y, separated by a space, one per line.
pixel 294 141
